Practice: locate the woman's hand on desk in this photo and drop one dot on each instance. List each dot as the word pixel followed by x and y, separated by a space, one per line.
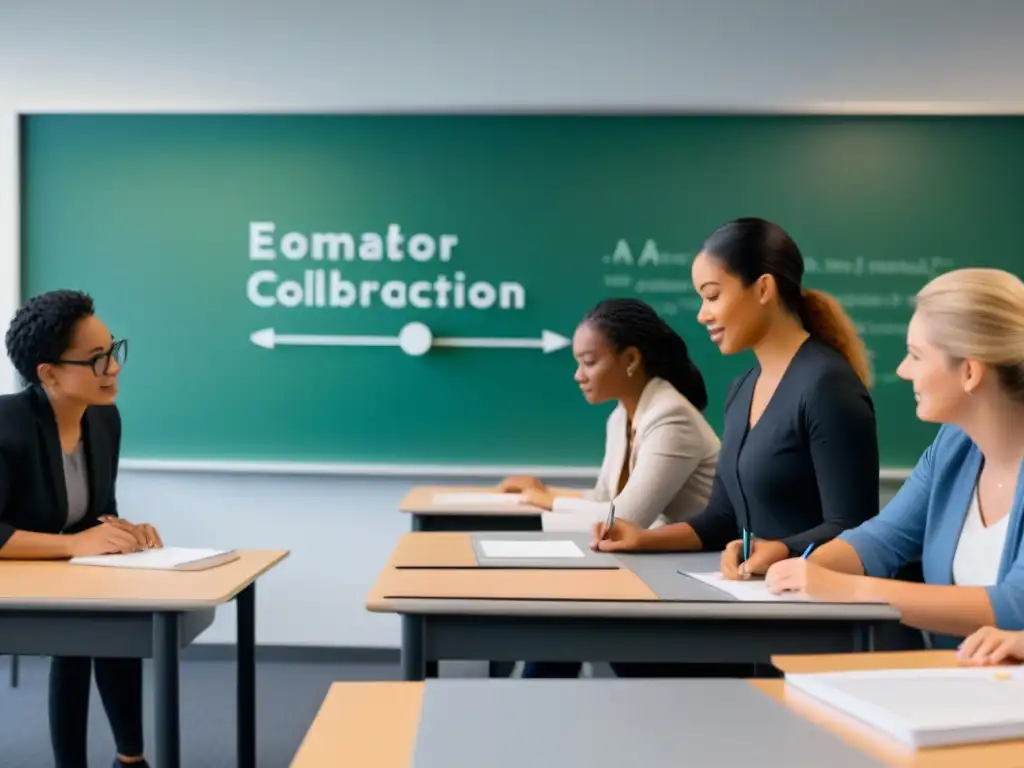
pixel 799 575
pixel 619 537
pixel 763 555
pixel 144 533
pixel 102 539
pixel 520 484
pixel 539 497
pixel 992 646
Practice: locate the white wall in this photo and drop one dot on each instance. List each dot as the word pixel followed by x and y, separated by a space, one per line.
pixel 787 55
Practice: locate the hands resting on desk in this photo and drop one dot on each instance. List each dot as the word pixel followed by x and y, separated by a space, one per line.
pixel 623 536
pixel 782 572
pixel 763 554
pixel 114 536
pixel 991 646
pixel 533 490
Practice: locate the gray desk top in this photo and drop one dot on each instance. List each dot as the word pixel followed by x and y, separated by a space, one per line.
pixel 633 609
pixel 611 724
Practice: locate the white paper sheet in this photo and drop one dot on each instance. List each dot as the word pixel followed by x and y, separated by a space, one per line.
pixel 576 522
pixel 165 558
pixel 927 707
pixel 476 499
pixel 525 550
pixel 751 590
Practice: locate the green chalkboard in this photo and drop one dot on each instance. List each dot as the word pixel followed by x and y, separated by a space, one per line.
pixel 198 233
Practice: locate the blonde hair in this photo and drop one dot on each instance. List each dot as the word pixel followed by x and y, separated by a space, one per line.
pixel 978 314
pixel 825 319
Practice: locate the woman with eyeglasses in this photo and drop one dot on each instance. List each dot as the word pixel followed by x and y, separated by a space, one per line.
pixel 59 448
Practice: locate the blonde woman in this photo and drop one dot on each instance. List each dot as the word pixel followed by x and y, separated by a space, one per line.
pixel 960 512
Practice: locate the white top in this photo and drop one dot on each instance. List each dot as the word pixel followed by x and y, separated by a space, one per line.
pixel 671 461
pixel 979 549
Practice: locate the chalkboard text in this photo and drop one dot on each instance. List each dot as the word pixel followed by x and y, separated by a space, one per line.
pixel 343 246
pixel 327 288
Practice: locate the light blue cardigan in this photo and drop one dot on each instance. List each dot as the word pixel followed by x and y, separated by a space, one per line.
pixel 923 523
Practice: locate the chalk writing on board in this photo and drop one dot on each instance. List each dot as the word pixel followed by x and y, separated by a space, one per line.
pixel 342 285
pixel 648 255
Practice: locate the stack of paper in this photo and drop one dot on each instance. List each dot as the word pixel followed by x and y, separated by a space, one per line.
pixel 476 499
pixel 927 707
pixel 528 549
pixel 163 559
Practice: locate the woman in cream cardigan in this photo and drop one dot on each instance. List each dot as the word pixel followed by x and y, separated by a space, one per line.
pixel 660 451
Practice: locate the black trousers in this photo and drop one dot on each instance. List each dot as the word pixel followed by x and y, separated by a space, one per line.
pixel 120 685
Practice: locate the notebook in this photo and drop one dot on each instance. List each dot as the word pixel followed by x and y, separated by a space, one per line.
pixel 530 548
pixel 927 707
pixel 163 559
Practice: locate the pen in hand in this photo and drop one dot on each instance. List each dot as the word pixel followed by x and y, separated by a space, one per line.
pixel 746 553
pixel 609 522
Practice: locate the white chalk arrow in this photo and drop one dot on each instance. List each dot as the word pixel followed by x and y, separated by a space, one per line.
pixel 549 341
pixel 268 339
pixel 414 339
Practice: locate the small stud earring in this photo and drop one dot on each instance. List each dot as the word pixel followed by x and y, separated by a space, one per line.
pixel 629 372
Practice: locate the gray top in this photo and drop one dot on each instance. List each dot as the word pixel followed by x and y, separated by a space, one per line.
pixel 560 723
pixel 77 481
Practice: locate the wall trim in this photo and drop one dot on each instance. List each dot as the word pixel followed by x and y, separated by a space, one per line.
pixel 354 469
pixel 229 467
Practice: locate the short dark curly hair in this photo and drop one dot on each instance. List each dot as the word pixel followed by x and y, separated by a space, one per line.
pixel 41 329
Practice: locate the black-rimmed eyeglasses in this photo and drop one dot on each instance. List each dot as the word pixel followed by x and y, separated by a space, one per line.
pixel 100 362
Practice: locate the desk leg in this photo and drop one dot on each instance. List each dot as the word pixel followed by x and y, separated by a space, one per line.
pixel 413 666
pixel 166 647
pixel 246 681
pixel 864 638
pixel 500 668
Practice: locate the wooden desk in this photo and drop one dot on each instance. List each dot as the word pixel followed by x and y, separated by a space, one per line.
pixel 375 725
pixel 426 516
pixel 509 615
pixel 363 725
pixel 1009 754
pixel 58 609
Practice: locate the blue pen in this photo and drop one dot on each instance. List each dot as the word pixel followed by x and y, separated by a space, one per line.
pixel 746 545
pixel 807 551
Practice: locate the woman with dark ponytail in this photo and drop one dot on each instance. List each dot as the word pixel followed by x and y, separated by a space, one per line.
pixel 801 418
pixel 660 451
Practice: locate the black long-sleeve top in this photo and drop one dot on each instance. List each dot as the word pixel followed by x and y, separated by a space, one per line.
pixel 808 469
pixel 33 493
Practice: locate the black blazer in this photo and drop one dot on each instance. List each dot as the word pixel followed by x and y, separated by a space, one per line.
pixel 33 496
pixel 808 470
